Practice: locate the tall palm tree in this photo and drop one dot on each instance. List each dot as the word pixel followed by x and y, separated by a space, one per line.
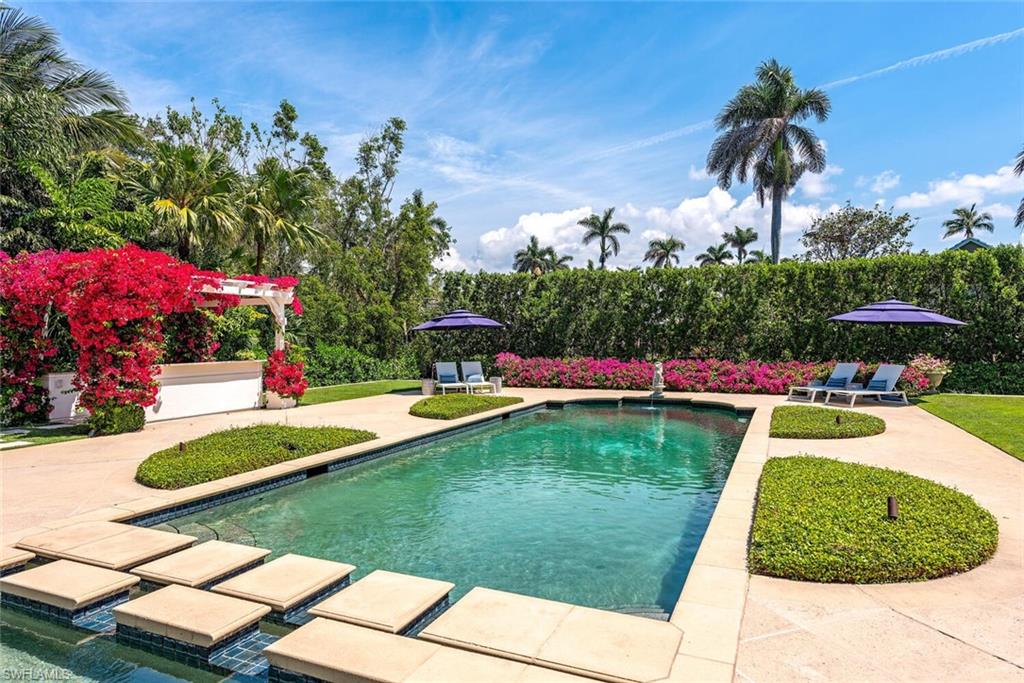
pixel 1019 170
pixel 92 110
pixel 277 207
pixel 717 255
pixel 191 194
pixel 739 239
pixel 556 262
pixel 761 139
pixel 758 256
pixel 664 252
pixel 531 259
pixel 602 229
pixel 966 220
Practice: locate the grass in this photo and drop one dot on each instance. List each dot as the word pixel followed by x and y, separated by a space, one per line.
pixel 824 520
pixel 238 450
pixel 809 422
pixel 38 437
pixel 451 406
pixel 999 420
pixel 345 392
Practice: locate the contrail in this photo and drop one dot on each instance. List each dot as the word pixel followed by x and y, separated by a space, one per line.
pixel 936 56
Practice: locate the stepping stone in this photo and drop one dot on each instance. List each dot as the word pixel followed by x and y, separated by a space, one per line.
pixel 106 544
pixel 13 560
pixel 68 592
pixel 387 601
pixel 289 585
pixel 189 625
pixel 329 650
pixel 203 565
pixel 579 640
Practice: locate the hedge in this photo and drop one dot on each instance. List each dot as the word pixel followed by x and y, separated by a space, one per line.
pixel 812 422
pixel 985 378
pixel 328 364
pixel 452 406
pixel 763 312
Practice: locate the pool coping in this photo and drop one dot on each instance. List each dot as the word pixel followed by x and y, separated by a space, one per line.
pixel 710 605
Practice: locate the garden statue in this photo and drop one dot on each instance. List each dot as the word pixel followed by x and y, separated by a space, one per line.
pixel 659 381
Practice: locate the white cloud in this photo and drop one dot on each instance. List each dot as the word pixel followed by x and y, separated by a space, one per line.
pixel 966 189
pixel 698 173
pixel 999 210
pixel 816 185
pixel 884 181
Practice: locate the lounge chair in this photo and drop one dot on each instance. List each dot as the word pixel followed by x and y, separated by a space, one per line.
pixel 841 378
pixel 882 387
pixel 473 376
pixel 448 377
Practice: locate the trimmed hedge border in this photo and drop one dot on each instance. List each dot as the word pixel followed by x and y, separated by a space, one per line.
pixel 811 422
pixel 825 521
pixel 452 406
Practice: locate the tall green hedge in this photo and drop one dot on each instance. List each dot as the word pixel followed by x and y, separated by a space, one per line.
pixel 753 311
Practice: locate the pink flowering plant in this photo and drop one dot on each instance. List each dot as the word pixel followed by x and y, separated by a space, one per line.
pixel 284 377
pixel 929 364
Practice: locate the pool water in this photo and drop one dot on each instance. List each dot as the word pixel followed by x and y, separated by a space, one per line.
pixel 597 506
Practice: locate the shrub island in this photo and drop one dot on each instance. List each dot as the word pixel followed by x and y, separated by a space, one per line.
pixel 452 406
pixel 242 449
pixel 811 422
pixel 826 521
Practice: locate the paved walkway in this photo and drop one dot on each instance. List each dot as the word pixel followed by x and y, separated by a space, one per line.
pixel 963 628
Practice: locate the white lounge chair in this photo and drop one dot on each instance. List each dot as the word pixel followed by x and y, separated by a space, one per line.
pixel 448 377
pixel 473 376
pixel 841 378
pixel 881 386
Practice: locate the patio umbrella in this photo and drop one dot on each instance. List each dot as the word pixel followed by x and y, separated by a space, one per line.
pixel 459 319
pixel 894 312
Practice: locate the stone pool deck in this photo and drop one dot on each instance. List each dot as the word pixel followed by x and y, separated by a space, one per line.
pixel 968 627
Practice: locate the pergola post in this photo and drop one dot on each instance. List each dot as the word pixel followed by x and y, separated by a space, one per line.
pixel 259 294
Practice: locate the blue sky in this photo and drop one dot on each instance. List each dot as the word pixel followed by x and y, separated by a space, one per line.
pixel 524 118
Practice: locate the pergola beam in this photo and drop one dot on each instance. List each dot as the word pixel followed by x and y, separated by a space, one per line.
pixel 257 294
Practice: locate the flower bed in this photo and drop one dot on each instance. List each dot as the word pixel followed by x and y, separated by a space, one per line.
pixel 748 377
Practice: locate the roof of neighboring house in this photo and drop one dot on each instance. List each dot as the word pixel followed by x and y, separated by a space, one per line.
pixel 970 244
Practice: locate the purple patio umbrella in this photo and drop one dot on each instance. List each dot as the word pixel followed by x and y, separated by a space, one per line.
pixel 459 319
pixel 894 312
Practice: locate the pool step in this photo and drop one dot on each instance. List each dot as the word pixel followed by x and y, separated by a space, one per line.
pixel 13 560
pixel 388 601
pixel 589 642
pixel 196 627
pixel 201 566
pixel 105 544
pixel 69 593
pixel 289 585
pixel 328 650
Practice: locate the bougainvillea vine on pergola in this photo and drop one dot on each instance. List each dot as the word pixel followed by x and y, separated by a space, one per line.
pixel 114 300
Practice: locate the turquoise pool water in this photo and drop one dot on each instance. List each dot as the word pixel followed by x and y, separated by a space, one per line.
pixel 598 506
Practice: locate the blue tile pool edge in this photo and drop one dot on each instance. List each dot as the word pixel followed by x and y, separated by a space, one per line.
pixel 204 503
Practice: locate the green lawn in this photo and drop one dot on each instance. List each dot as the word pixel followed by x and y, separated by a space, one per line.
pixel 38 437
pixel 451 406
pixel 811 422
pixel 998 420
pixel 344 392
pixel 243 449
pixel 824 520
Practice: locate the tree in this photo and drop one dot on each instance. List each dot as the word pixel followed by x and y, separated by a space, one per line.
pixel 854 232
pixel 533 258
pixel 190 193
pixel 602 229
pixel 1019 170
pixel 556 262
pixel 739 239
pixel 277 206
pixel 758 256
pixel 762 140
pixel 664 252
pixel 966 220
pixel 717 255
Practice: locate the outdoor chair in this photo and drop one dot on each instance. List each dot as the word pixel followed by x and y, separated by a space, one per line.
pixel 473 376
pixel 841 378
pixel 448 377
pixel 882 386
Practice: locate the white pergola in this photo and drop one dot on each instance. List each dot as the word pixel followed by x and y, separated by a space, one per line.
pixel 267 294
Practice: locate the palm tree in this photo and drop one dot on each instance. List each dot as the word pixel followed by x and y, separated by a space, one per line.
pixel 663 252
pixel 762 140
pixel 1019 170
pixel 191 194
pixel 715 256
pixel 738 239
pixel 966 220
pixel 758 256
pixel 531 259
pixel 554 261
pixel 601 228
pixel 277 206
pixel 91 110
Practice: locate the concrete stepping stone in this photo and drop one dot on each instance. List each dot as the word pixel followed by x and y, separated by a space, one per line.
pixel 13 560
pixel 106 544
pixel 387 601
pixel 201 566
pixel 68 592
pixel 329 650
pixel 190 625
pixel 289 585
pixel 579 640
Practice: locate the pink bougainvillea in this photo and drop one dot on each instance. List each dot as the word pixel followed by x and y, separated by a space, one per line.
pixel 284 377
pixel 747 377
